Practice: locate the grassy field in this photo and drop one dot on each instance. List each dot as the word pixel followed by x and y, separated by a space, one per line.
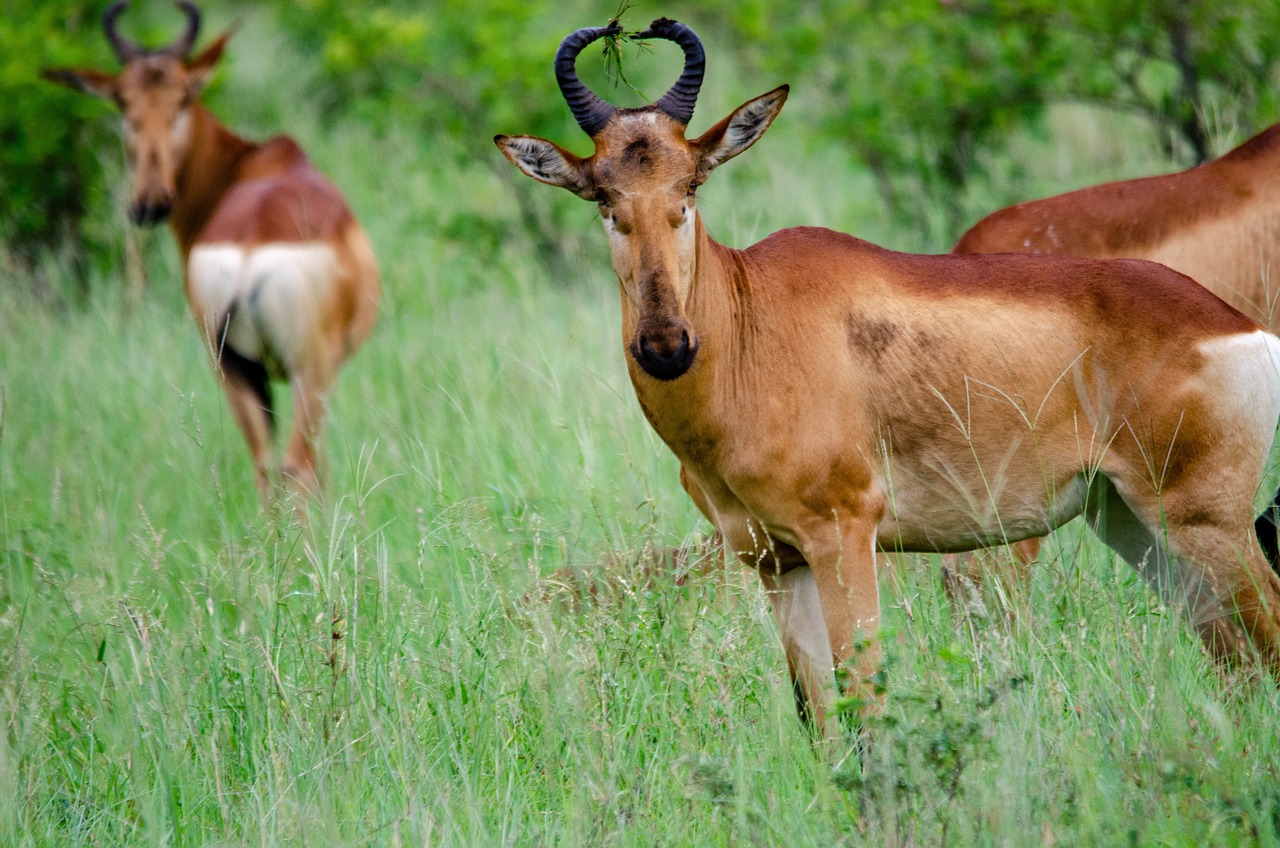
pixel 181 668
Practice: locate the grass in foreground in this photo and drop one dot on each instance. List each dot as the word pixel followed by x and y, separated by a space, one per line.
pixel 182 669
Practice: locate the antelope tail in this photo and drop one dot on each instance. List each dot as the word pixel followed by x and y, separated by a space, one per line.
pixel 1267 526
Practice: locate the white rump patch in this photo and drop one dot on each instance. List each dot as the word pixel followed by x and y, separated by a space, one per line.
pixel 1248 364
pixel 274 293
pixel 1243 372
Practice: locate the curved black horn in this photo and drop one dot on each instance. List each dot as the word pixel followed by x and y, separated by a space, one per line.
pixel 680 100
pixel 187 40
pixel 590 110
pixel 125 50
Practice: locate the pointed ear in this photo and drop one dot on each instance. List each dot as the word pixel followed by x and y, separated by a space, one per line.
pixel 547 162
pixel 97 83
pixel 738 131
pixel 202 65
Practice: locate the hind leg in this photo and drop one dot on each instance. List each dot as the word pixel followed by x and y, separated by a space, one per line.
pixel 312 378
pixel 248 392
pixel 1239 574
pixel 1199 554
pixel 300 471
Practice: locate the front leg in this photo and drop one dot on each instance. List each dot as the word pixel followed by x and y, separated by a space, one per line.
pixel 844 571
pixel 820 581
pixel 841 553
pixel 826 602
pixel 797 610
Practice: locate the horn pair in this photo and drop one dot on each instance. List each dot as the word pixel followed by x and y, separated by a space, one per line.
pixel 593 112
pixel 126 50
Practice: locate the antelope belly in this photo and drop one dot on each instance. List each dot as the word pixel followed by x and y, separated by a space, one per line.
pixel 929 512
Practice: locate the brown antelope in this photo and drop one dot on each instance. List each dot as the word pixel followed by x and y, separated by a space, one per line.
pixel 1218 223
pixel 279 276
pixel 826 397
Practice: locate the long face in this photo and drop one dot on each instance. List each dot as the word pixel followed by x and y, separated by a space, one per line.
pixel 155 93
pixel 645 178
pixel 644 175
pixel 155 96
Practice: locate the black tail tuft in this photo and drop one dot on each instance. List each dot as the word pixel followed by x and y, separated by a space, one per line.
pixel 254 375
pixel 1266 526
pixel 250 372
pixel 802 706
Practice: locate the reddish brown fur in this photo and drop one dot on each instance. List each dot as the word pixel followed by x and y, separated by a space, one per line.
pixel 1219 223
pixel 826 397
pixel 277 196
pixel 218 189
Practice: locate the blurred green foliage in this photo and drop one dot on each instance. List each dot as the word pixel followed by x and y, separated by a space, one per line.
pixel 50 141
pixel 927 93
pixel 453 66
pixel 60 156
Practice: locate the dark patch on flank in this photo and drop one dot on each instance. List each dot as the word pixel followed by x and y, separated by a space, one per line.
pixel 871 337
pixel 1198 517
pixel 1184 457
pixel 924 340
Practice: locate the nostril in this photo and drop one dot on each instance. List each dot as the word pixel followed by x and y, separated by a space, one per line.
pixel 659 352
pixel 667 353
pixel 147 213
pixel 664 347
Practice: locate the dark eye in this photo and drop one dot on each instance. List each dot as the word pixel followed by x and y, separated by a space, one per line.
pixel 693 190
pixel 602 198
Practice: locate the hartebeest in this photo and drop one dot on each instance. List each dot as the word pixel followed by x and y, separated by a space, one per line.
pixel 1218 223
pixel 279 275
pixel 826 397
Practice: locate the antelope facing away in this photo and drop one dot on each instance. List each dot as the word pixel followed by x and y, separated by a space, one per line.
pixel 826 397
pixel 1218 223
pixel 279 276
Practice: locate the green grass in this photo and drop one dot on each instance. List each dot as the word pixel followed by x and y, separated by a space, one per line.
pixel 182 669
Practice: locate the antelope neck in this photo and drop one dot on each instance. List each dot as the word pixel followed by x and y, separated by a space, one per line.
pixel 206 172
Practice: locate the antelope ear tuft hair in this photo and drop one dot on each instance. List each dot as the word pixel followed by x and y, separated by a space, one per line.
pixel 740 130
pixel 97 83
pixel 547 162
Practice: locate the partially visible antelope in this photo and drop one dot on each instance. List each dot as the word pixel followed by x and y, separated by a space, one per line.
pixel 826 397
pixel 279 275
pixel 1218 223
